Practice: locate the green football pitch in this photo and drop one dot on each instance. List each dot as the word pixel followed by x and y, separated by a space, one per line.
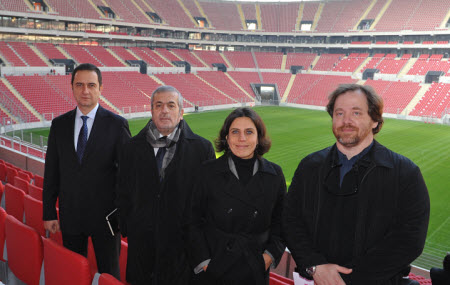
pixel 297 132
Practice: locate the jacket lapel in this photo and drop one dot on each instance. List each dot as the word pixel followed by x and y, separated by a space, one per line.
pixel 94 135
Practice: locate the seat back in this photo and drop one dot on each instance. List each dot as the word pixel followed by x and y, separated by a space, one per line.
pixel 3 172
pixel 38 181
pixel 14 201
pixel 33 214
pixel 11 172
pixel 25 175
pixel 274 276
pixel 2 232
pixel 63 266
pixel 24 247
pixel 2 190
pixel 108 279
pixel 123 261
pixel 35 192
pixel 21 184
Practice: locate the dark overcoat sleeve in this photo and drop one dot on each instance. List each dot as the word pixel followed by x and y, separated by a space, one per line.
pixel 51 176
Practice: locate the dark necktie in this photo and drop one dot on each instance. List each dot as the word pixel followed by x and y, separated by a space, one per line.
pixel 82 139
pixel 160 157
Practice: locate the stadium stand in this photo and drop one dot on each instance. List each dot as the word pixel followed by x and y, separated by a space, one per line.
pixel 77 8
pixel 244 79
pixel 172 13
pixel 210 57
pixel 240 59
pixel 396 95
pixel 15 107
pixel 309 11
pixel 122 53
pixel 350 63
pixel 127 11
pixel 348 13
pixel 80 54
pixel 50 51
pixel 279 17
pixel 102 55
pixel 167 54
pixel 223 15
pixel 328 61
pixel 14 5
pixel 220 81
pixel 10 55
pixel 281 79
pixel 150 57
pixel 27 55
pixel 249 11
pixel 300 59
pixel 269 60
pixel 188 56
pixel 434 102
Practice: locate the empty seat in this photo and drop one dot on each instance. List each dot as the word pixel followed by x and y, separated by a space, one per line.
pixel 24 247
pixel 63 266
pixel 35 192
pixel 21 184
pixel 25 175
pixel 3 259
pixel 33 214
pixel 10 174
pixel 274 276
pixel 123 261
pixel 14 201
pixel 3 172
pixel 38 181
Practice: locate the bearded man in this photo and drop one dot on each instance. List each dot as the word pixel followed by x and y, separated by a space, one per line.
pixel 356 212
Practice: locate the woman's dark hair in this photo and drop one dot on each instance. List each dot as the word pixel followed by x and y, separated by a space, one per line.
pixel 264 142
pixel 374 102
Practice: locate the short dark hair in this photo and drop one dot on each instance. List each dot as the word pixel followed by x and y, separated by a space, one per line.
pixel 264 142
pixel 89 67
pixel 374 102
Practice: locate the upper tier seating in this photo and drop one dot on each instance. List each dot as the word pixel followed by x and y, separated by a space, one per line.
pixel 279 17
pixel 223 16
pixel 219 80
pixel 249 11
pixel 240 59
pixel 434 102
pixel 396 95
pixel 422 65
pixel 373 13
pixel 128 12
pixel 328 61
pixel 341 16
pixel 309 11
pixel 192 8
pixel 74 8
pixel 172 13
pixel 80 54
pixel 14 5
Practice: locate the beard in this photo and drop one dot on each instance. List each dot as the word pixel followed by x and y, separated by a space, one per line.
pixel 350 139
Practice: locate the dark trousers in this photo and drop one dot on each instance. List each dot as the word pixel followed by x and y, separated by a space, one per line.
pixel 106 248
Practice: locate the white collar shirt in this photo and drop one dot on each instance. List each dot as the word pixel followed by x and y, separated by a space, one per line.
pixel 79 123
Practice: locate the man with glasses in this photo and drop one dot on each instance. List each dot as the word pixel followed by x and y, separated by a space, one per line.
pixel 356 212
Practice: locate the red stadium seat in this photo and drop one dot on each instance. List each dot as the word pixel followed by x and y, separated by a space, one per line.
pixel 107 279
pixel 3 259
pixel 123 262
pixel 11 172
pixel 33 214
pixel 281 278
pixel 25 175
pixel 3 172
pixel 63 266
pixel 2 191
pixel 21 184
pixel 35 192
pixel 38 181
pixel 24 246
pixel 14 201
pixel 91 257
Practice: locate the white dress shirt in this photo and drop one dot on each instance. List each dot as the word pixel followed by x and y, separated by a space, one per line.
pixel 79 123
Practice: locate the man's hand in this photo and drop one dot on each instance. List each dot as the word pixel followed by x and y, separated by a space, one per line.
pixel 328 274
pixel 52 226
pixel 267 260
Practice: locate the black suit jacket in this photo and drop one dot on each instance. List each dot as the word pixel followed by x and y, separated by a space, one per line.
pixel 86 191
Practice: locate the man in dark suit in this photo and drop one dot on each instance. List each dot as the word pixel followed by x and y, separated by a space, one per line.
pixel 80 169
pixel 155 182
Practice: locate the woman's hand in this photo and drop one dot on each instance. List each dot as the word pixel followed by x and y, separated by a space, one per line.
pixel 267 260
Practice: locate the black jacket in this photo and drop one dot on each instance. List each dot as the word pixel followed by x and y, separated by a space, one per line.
pixel 152 211
pixel 86 191
pixel 233 224
pixel 391 217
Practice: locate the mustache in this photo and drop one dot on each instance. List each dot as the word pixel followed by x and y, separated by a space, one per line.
pixel 348 126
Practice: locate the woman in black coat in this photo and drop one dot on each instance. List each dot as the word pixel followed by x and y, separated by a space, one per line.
pixel 235 224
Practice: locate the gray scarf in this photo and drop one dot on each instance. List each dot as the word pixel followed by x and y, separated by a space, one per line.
pixel 169 142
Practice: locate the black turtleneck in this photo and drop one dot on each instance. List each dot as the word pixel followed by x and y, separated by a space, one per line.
pixel 244 168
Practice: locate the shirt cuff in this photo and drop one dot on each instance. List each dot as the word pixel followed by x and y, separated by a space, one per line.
pixel 272 265
pixel 199 267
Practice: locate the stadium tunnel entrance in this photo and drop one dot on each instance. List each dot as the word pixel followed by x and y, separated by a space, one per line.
pixel 267 94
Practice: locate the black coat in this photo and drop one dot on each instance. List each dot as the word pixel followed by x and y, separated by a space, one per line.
pixel 391 217
pixel 86 191
pixel 152 211
pixel 233 224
